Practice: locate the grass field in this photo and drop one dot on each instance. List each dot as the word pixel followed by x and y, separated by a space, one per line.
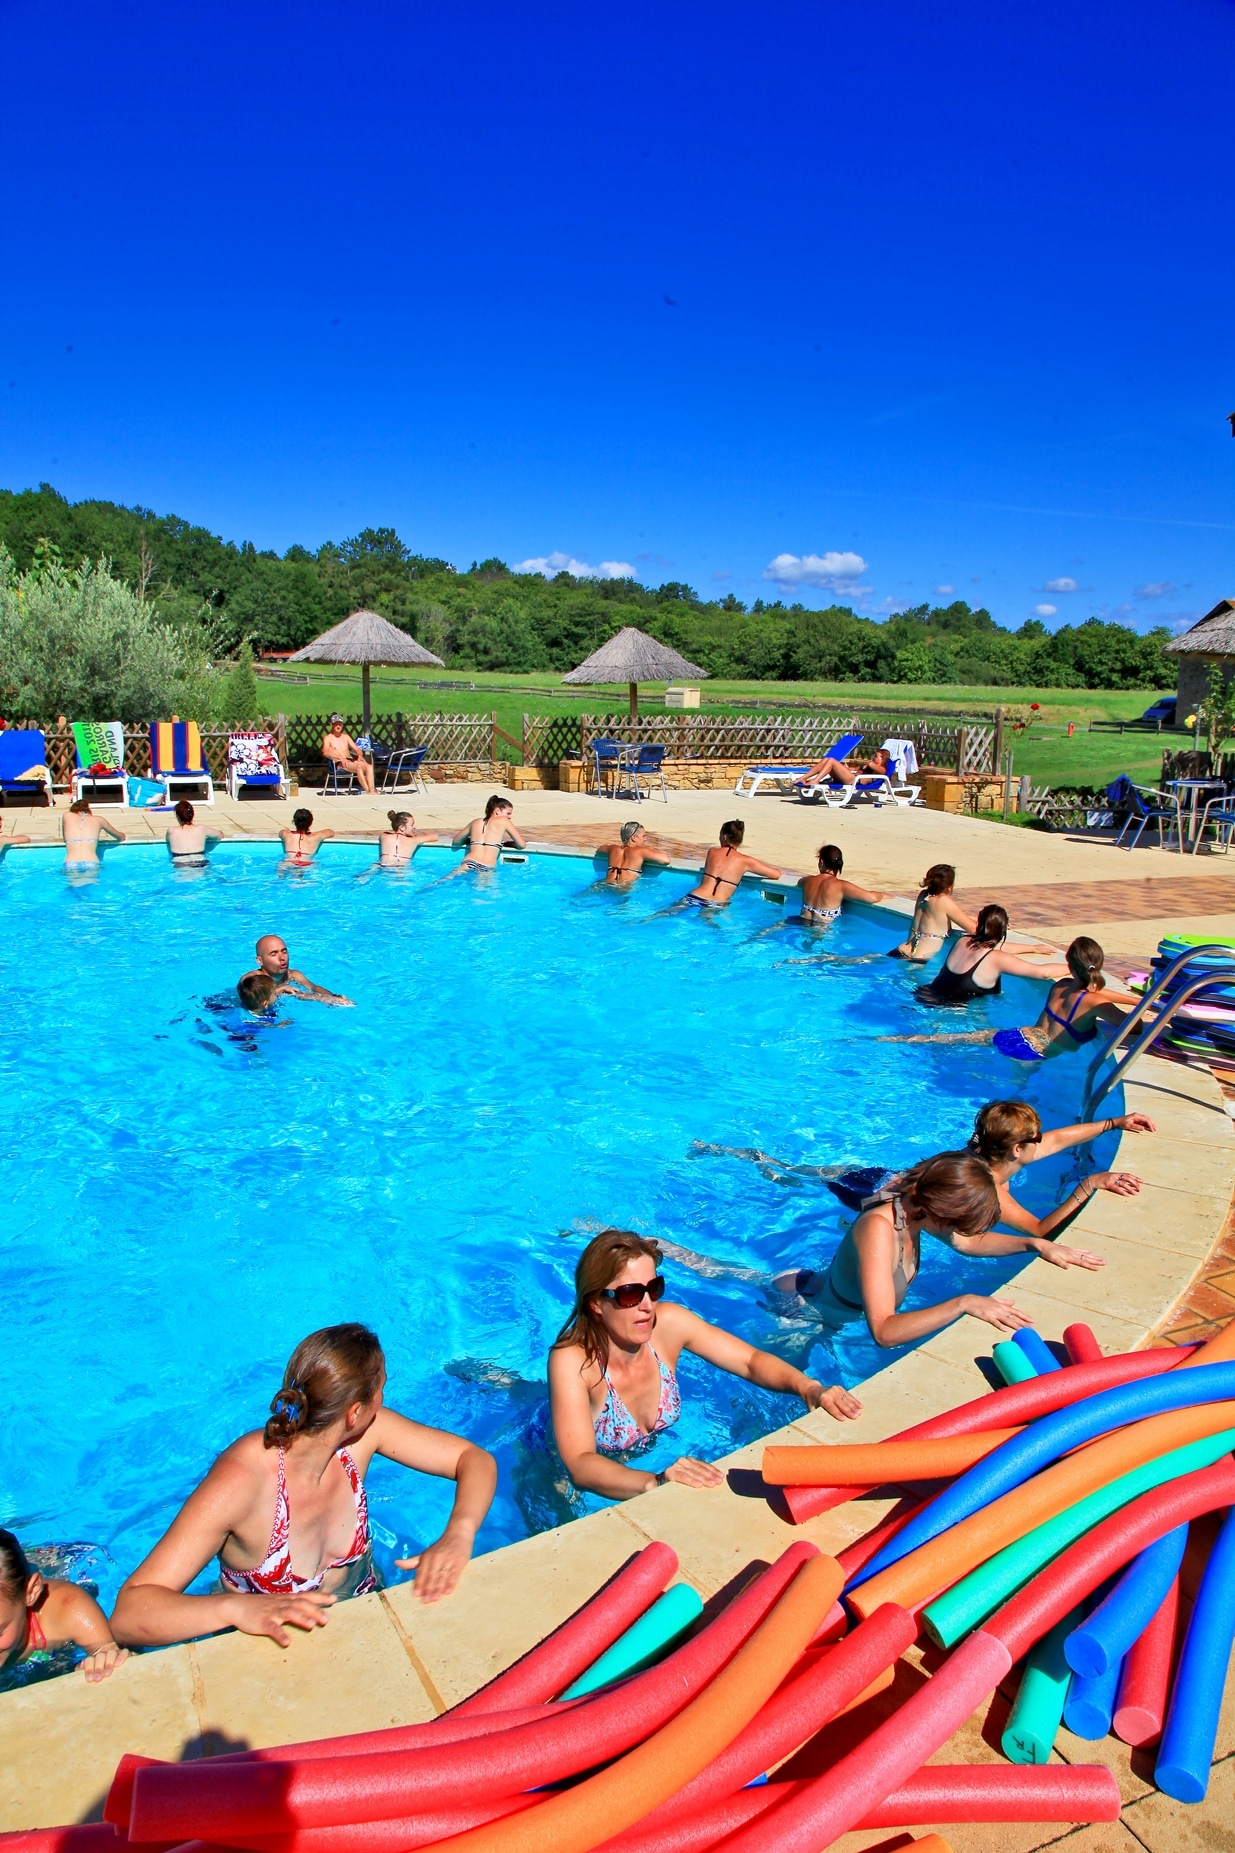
pixel 1044 751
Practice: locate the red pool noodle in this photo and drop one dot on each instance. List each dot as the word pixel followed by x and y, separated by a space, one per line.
pixel 1082 1347
pixel 549 1668
pixel 231 1801
pixel 1018 1402
pixel 1145 1682
pixel 1077 1571
pixel 92 1837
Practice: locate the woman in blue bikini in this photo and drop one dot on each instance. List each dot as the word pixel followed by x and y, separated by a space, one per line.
pixel 612 1390
pixel 1074 1008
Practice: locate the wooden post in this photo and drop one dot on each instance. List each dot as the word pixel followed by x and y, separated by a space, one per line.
pixel 962 741
pixel 997 755
pixel 634 700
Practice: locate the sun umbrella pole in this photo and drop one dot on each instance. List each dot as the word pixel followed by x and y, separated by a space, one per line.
pixel 364 685
pixel 634 700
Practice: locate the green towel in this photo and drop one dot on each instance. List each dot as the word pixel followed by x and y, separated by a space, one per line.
pixel 99 743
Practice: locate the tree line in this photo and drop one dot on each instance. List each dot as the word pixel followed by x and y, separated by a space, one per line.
pixel 490 618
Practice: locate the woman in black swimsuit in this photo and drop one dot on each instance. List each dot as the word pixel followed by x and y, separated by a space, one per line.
pixel 977 962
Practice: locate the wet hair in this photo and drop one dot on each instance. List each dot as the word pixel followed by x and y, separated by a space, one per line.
pixel 830 859
pixel 497 803
pixel 1085 961
pixel 631 830
pixel 184 811
pixel 256 989
pixel 398 818
pixel 940 879
pixel 1002 1125
pixel 597 1268
pixel 326 1373
pixel 303 820
pixel 992 926
pixel 15 1569
pixel 82 807
pixel 954 1190
pixel 731 834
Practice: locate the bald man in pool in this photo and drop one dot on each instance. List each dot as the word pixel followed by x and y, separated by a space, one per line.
pixel 274 962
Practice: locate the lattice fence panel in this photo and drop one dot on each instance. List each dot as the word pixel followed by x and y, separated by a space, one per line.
pixel 549 737
pixel 979 749
pixel 450 738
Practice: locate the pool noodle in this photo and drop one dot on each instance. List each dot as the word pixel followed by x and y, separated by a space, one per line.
pixel 972 1599
pixel 1036 1350
pixel 1110 1545
pixel 1188 1736
pixel 1012 1363
pixel 888 1462
pixel 1082 1347
pixel 652 1635
pixel 564 1654
pixel 1037 1710
pixel 1090 1703
pixel 1067 1429
pixel 182 1800
pixel 830 1805
pixel 862 1549
pixel 1023 1402
pixel 1145 1682
pixel 945 1559
pixel 578 1819
pixel 1122 1617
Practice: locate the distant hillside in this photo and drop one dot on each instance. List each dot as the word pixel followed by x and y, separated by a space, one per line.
pixel 491 618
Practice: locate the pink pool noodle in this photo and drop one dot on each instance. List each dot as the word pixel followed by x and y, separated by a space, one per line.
pixel 184 1800
pixel 1081 1345
pixel 1145 1681
pixel 1019 1402
pixel 549 1668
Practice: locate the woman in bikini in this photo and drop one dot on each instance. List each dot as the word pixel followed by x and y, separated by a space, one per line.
pixel 935 914
pixel 284 1509
pixel 952 1197
pixel 186 840
pixel 81 830
pixel 487 836
pixel 39 1614
pixel 823 895
pixel 612 1371
pixel 399 844
pixel 1008 1135
pixel 1073 1011
pixel 723 869
pixel 301 842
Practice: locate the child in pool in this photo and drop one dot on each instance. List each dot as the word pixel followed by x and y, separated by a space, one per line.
pixel 38 1613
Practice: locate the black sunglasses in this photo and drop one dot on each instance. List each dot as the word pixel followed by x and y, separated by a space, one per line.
pixel 630 1293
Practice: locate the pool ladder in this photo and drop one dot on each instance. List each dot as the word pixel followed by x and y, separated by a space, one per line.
pixel 1096 1093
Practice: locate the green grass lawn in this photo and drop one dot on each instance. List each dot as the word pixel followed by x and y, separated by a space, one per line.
pixel 1044 750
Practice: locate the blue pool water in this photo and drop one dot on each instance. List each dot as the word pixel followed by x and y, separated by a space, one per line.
pixel 529 1060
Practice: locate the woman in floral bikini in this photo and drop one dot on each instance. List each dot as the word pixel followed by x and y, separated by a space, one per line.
pixel 613 1386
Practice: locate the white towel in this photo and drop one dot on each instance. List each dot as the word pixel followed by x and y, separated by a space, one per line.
pixel 904 757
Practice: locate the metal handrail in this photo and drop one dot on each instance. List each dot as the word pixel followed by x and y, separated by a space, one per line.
pixel 1159 1023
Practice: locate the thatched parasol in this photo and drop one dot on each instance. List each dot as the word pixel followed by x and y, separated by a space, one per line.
pixel 366 638
pixel 634 657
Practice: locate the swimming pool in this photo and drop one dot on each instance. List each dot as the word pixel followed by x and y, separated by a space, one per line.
pixel 531 1058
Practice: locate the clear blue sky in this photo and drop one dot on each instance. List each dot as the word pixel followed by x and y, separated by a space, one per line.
pixel 687 286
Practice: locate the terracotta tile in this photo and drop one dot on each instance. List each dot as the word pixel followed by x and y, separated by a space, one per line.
pixel 1164 1826
pixel 1207 1301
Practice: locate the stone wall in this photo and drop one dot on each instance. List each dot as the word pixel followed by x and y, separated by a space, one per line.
pixel 1194 680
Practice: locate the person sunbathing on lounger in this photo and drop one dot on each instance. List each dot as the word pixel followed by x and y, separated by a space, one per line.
pixel 273 962
pixel 840 772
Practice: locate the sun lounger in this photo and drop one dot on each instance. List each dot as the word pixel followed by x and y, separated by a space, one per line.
pixel 100 776
pixel 23 765
pixel 874 785
pixel 810 790
pixel 177 762
pixel 253 765
pixel 754 776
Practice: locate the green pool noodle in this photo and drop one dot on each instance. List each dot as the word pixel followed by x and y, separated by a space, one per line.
pixel 1037 1712
pixel 970 1601
pixel 1011 1363
pixel 644 1641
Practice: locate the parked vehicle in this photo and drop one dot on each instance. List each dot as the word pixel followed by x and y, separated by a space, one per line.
pixel 1163 711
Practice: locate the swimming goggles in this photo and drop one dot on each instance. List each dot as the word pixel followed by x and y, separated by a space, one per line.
pixel 630 1293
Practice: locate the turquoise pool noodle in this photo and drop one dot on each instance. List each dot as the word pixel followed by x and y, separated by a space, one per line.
pixel 1011 1363
pixel 1037 1711
pixel 971 1600
pixel 654 1632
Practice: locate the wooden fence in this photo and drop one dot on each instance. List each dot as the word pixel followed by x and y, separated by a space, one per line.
pixel 1197 765
pixel 771 738
pixel 62 757
pixel 452 739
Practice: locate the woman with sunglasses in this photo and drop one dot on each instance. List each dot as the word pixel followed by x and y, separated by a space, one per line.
pixel 1008 1135
pixel 612 1371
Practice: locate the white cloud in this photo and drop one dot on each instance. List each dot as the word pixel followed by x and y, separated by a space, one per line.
pixel 722 575
pixel 944 591
pixel 551 563
pixel 1045 611
pixel 833 572
pixel 1157 588
pixel 1061 585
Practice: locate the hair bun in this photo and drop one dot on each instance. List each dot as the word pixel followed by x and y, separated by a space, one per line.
pixel 287 1413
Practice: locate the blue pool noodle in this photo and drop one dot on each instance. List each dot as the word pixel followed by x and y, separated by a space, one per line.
pixel 1036 1350
pixel 1044 1441
pixel 1105 1637
pixel 1191 1728
pixel 1090 1704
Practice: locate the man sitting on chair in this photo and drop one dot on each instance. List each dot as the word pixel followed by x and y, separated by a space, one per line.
pixel 842 774
pixel 339 748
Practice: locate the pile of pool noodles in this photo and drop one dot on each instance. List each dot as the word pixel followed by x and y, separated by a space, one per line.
pixel 1066 1521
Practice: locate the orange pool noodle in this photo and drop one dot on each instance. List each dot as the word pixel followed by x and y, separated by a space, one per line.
pixel 880 1463
pixel 581 1818
pixel 1220 1349
pixel 932 1843
pixel 944 1560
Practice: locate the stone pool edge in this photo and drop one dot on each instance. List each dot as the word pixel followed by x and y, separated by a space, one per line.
pixel 384 1660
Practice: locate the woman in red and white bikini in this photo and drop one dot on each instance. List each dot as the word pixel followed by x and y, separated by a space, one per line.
pixel 284 1508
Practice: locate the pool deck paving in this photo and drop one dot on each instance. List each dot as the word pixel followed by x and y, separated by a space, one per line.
pixel 386 1659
